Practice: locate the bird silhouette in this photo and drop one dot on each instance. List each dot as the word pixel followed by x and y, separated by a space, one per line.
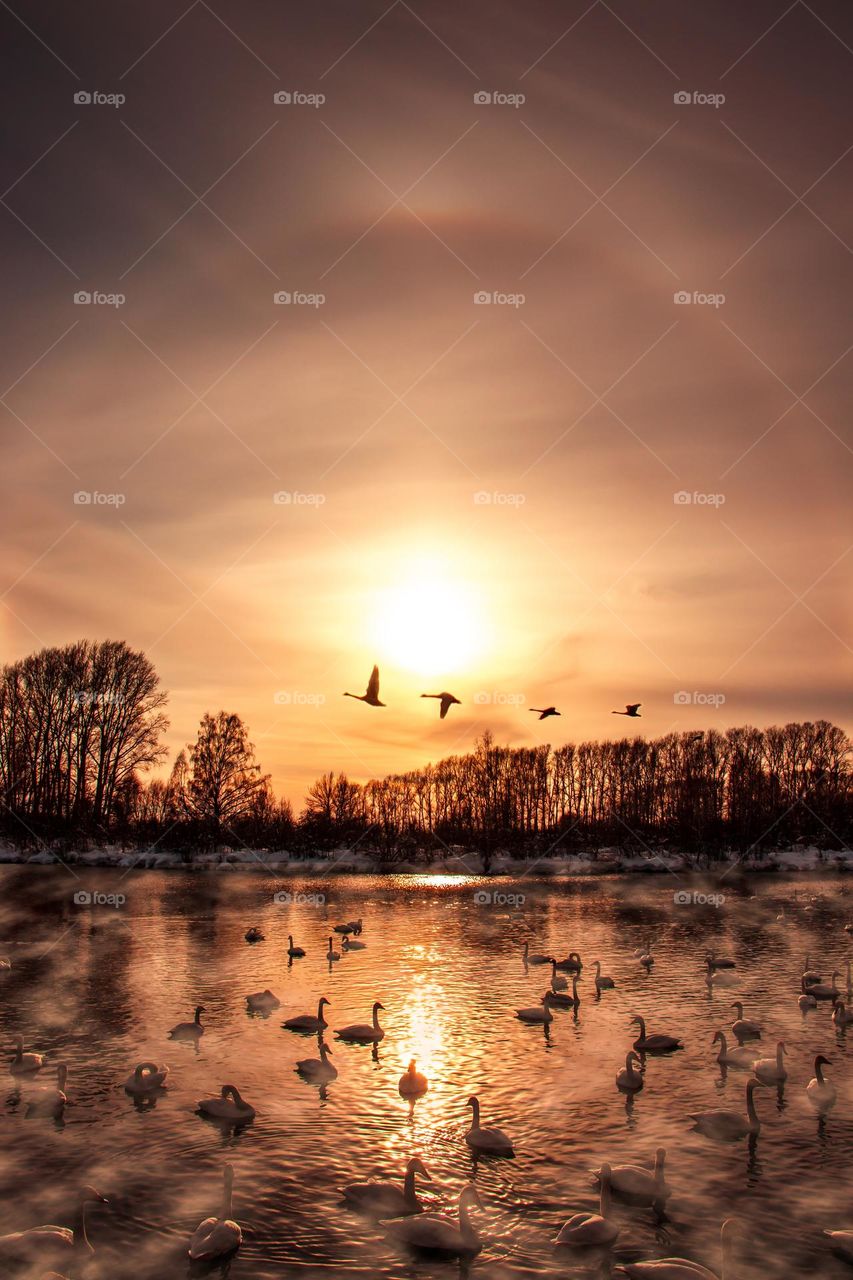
pixel 631 709
pixel 447 701
pixel 371 697
pixel 545 712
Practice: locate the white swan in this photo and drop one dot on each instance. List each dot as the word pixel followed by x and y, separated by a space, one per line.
pixel 263 1001
pixel 332 954
pixel 741 1059
pixel 364 1032
pixel 189 1030
pixel 24 1064
pixel 229 1106
pixel 572 963
pixel 536 958
pixel 491 1141
pixel 596 1229
pixel 49 1100
pixel 806 1000
pixel 557 983
pixel 438 1235
pixel 720 962
pixel 292 951
pixel 353 946
pixel 385 1199
pixel 825 990
pixel 642 1186
pixel 412 1083
pixel 840 1016
pixel 742 1028
pixel 318 1070
pixel 216 1237
pixel 41 1245
pixel 771 1070
pixel 146 1078
pixel 820 1092
pixel 682 1268
pixel 307 1021
pixel 653 1044
pixel 564 1000
pixel 729 1125
pixel 809 975
pixel 629 1080
pixel 602 983
pixel 539 1013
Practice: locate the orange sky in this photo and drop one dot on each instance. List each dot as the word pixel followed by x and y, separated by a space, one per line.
pixel 391 409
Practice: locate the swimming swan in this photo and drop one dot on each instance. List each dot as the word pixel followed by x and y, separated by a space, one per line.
pixel 629 1080
pixel 39 1245
pixel 602 983
pixel 438 1235
pixel 47 1100
pixel 564 1000
pixel 24 1064
pixel 263 1001
pixel 538 1013
pixel 318 1070
pixel 821 1093
pixel 638 1184
pixel 806 1000
pixel 726 1126
pixel 741 1059
pixel 825 990
pixel 307 1021
pixel 146 1078
pixel 585 1229
pixel 681 1268
pixel 412 1083
pixel 491 1141
pixel 332 954
pixel 293 952
pixel 771 1070
pixel 536 958
pixel 254 935
pixel 385 1199
pixel 189 1030
pixel 840 1016
pixel 653 1044
pixel 353 946
pixel 742 1028
pixel 229 1106
pixel 572 964
pixel 557 983
pixel 216 1237
pixel 364 1032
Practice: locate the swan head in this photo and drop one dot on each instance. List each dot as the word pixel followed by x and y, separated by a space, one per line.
pixel 821 1061
pixel 411 1066
pixel 200 1009
pixel 737 1004
pixel 377 1005
pixel 474 1102
pixel 660 1160
pixel 90 1195
pixel 469 1195
pixel 323 1001
pixel 417 1166
pixel 718 1035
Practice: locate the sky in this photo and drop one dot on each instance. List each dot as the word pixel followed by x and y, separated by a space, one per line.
pixel 507 346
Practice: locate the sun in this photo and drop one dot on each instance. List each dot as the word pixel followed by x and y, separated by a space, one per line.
pixel 430 621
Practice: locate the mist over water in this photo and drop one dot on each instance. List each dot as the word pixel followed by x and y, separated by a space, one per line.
pixel 98 987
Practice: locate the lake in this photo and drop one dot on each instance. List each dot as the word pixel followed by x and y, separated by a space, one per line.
pixel 97 986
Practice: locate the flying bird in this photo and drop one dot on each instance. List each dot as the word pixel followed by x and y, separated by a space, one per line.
pixel 447 701
pixel 631 709
pixel 371 697
pixel 545 712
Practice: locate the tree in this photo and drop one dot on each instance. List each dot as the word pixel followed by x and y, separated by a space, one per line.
pixel 220 783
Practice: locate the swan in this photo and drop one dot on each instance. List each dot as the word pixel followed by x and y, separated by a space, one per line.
pixel 229 1106
pixel 740 1058
pixel 681 1268
pixel 545 712
pixel 353 946
pixel 602 983
pixel 806 1000
pixel 49 1101
pixel 38 1244
pixel 825 990
pixel 584 1229
pixel 447 701
pixel 809 975
pixel 729 1125
pixel 189 1030
pixel 712 977
pixel 24 1064
pixel 564 1000
pixel 355 926
pixel 557 983
pixel 343 928
pixel 631 709
pixel 721 962
pixel 438 1235
pixel 629 1080
pixel 645 956
pixel 263 1001
pixel 364 1032
pixel 412 1083
pixel 538 1013
pixel 307 1021
pixel 146 1078
pixel 842 1243
pixel 371 696
pixel 332 954
pixel 318 1070
pixel 742 1028
pixel 385 1199
pixel 254 935
pixel 536 958
pixel 643 1186
pixel 820 1092
pixel 653 1044
pixel 216 1237
pixel 771 1070
pixel 294 952
pixel 840 1016
pixel 492 1141
pixel 572 964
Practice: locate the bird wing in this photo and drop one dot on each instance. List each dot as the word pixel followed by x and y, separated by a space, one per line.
pixel 632 707
pixel 447 701
pixel 373 684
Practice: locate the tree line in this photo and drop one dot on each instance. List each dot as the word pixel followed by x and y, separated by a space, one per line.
pixel 81 726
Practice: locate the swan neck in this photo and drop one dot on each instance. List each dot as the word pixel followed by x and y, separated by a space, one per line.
pixel 750 1103
pixel 475 1118
pixel 409 1186
pixel 604 1198
pixel 466 1226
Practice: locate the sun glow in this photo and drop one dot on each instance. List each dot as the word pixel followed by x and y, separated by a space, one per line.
pixel 430 622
